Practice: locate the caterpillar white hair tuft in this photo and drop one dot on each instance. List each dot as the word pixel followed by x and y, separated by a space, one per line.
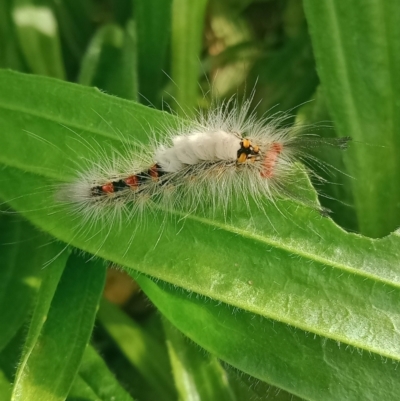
pixel 224 154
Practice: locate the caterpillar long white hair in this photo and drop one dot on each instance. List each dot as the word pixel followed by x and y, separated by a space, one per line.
pixel 224 154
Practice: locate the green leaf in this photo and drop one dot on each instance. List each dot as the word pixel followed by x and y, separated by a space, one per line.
pixel 301 363
pixel 187 31
pixel 81 391
pixel 50 366
pixel 56 113
pixel 75 19
pixel 143 351
pixel 55 258
pixel 357 48
pixel 110 61
pixel 10 56
pixel 5 388
pixel 123 368
pixel 95 373
pixel 19 273
pixel 153 26
pixel 286 262
pixel 108 38
pixel 37 31
pixel 127 84
pixel 249 388
pixel 9 356
pixel 198 376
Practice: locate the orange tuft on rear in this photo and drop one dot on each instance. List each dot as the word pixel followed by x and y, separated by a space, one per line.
pixel 270 159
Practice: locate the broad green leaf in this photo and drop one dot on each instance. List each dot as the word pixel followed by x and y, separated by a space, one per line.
pixel 198 376
pixel 153 27
pixel 37 30
pixel 357 48
pixel 110 61
pixel 95 373
pixel 19 272
pixel 286 263
pixel 306 365
pixel 57 111
pixel 186 45
pixel 144 352
pixel 51 365
pixel 249 388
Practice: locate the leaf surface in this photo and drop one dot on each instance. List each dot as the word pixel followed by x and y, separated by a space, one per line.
pixel 308 366
pixel 19 273
pixel 285 262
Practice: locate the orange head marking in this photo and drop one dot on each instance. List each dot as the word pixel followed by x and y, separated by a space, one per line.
pixel 246 143
pixel 242 158
pixel 247 151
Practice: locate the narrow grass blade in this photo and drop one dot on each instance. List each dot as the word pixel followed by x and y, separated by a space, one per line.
pixel 37 30
pixel 198 376
pixel 357 49
pixel 52 364
pixel 144 352
pixel 187 31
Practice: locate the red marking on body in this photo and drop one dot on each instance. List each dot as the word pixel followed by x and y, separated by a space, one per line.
pixel 108 188
pixel 132 181
pixel 153 172
pixel 270 159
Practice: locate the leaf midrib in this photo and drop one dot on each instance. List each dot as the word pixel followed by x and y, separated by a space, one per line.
pixel 280 245
pixel 270 314
pixel 290 250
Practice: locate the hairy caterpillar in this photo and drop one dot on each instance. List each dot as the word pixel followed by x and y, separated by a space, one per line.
pixel 205 163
